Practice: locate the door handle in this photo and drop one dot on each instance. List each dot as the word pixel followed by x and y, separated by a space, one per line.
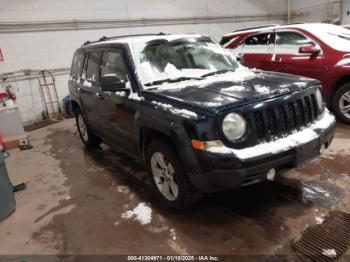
pixel 99 96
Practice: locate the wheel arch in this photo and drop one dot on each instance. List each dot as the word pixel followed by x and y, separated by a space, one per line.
pixel 75 106
pixel 148 134
pixel 341 81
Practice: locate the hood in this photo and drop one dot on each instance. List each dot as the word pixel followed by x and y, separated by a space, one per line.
pixel 222 94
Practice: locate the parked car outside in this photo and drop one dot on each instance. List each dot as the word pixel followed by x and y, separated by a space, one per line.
pixel 199 121
pixel 320 51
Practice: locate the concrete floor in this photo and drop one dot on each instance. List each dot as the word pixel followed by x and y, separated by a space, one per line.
pixel 75 200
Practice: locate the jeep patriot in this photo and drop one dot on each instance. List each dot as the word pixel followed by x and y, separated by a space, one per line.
pixel 197 119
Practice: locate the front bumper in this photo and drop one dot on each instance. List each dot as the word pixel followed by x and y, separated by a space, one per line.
pixel 226 168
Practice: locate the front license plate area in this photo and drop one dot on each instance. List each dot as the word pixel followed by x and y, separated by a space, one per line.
pixel 307 152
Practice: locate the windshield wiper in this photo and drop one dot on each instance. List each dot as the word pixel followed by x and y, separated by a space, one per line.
pixel 218 72
pixel 171 80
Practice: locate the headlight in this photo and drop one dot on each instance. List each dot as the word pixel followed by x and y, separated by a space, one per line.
pixel 319 99
pixel 234 126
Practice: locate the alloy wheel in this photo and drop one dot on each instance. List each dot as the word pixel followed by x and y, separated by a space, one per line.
pixel 344 104
pixel 164 176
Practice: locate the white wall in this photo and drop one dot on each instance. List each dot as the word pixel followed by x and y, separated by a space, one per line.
pixel 54 49
pixel 346 12
pixel 318 10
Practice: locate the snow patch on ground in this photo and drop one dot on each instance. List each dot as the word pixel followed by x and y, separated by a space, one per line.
pixel 319 220
pixel 173 234
pixel 329 252
pixel 123 189
pixel 279 145
pixel 141 213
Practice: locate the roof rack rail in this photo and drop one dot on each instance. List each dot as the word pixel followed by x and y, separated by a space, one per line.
pixel 295 23
pixel 105 38
pixel 256 27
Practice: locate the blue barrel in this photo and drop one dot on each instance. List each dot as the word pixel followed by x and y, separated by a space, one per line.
pixel 7 198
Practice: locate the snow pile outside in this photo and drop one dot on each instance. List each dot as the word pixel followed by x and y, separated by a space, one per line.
pixel 329 252
pixel 279 145
pixel 140 213
pixel 176 111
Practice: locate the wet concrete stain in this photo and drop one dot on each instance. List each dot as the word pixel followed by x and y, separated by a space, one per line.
pixel 259 219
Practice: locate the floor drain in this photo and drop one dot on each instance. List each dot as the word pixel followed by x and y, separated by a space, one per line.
pixel 327 241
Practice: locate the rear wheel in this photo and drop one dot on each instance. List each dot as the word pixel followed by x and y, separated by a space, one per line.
pixel 171 185
pixel 341 103
pixel 86 135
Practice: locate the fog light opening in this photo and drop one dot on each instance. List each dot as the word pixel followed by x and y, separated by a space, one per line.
pixel 270 175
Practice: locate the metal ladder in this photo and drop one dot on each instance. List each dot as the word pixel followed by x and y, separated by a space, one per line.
pixel 49 95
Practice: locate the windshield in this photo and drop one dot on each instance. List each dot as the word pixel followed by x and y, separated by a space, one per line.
pixel 182 59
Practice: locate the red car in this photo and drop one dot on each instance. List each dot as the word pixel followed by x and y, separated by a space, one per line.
pixel 315 50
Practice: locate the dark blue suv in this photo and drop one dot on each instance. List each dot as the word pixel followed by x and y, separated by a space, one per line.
pixel 200 121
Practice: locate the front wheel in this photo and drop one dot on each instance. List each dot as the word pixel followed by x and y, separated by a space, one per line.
pixel 341 103
pixel 170 184
pixel 86 135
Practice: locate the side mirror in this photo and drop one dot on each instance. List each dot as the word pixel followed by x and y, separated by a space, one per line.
pixel 112 83
pixel 309 49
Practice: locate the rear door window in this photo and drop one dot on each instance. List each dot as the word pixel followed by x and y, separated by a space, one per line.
pixel 91 66
pixel 259 44
pixel 260 39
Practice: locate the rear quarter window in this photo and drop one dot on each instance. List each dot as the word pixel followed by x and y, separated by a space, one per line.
pixel 77 64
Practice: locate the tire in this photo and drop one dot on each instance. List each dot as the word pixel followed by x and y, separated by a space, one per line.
pixel 172 175
pixel 340 100
pixel 85 133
